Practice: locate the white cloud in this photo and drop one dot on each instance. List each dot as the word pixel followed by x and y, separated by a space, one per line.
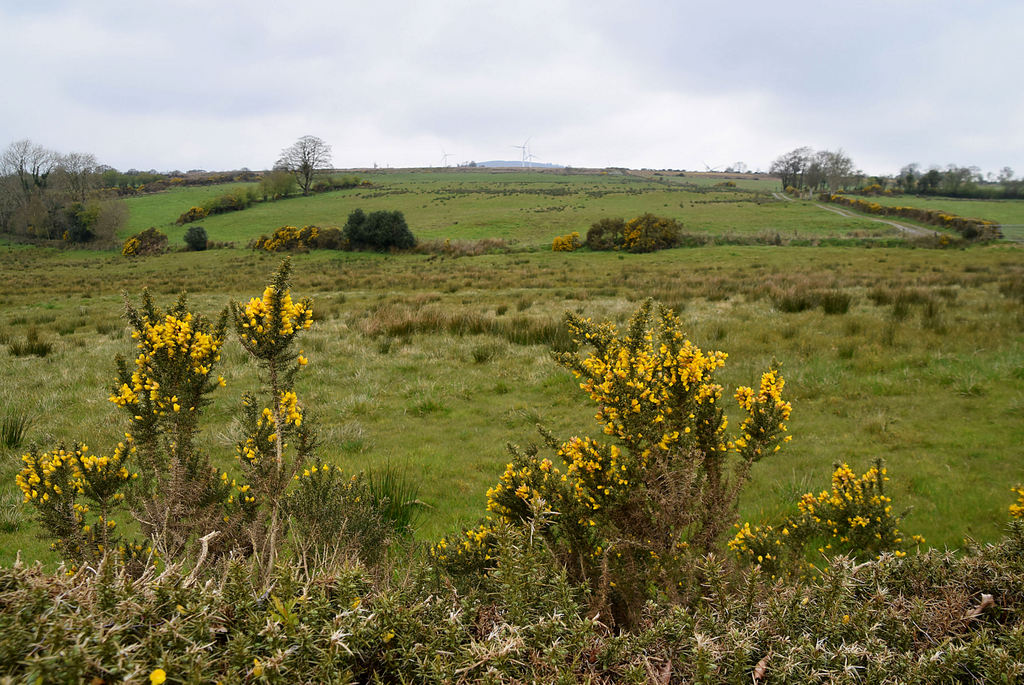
pixel 644 84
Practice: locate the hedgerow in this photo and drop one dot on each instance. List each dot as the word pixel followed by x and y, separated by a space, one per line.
pixel 971 229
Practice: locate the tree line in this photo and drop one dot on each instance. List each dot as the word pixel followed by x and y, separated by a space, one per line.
pixel 47 195
pixel 825 170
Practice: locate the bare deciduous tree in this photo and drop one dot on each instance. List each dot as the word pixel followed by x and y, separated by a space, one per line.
pixel 30 163
pixel 303 158
pixel 79 172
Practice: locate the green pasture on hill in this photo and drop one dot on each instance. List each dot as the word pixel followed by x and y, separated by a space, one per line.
pixel 527 208
pixel 434 363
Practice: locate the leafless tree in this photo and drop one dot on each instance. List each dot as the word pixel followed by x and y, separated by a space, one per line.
pixel 79 173
pixel 303 158
pixel 791 167
pixel 31 164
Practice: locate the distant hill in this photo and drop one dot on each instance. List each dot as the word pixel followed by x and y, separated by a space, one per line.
pixel 517 163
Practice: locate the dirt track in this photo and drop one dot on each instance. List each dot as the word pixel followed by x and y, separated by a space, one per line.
pixel 909 230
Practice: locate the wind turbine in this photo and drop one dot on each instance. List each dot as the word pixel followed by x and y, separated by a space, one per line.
pixel 709 169
pixel 444 158
pixel 525 147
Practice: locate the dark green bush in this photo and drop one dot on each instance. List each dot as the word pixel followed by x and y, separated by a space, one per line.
pixel 381 230
pixel 195 238
pixel 606 234
pixel 330 239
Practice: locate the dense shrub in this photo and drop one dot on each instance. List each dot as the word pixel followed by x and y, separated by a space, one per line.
pixel 381 230
pixel 195 238
pixel 606 234
pixel 234 200
pixel 645 233
pixel 566 243
pixel 330 238
pixel 929 618
pixel 276 185
pixel 193 214
pixel 289 239
pixel 148 242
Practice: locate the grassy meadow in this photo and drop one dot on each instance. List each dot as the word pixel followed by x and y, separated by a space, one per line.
pixel 434 363
pixel 526 208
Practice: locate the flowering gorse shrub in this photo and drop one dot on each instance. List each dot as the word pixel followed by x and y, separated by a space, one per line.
pixel 1017 508
pixel 288 238
pixel 163 393
pixel 626 514
pixel 267 328
pixel 75 494
pixel 193 214
pixel 854 518
pixel 566 243
pixel 160 475
pixel 148 242
pixel 645 233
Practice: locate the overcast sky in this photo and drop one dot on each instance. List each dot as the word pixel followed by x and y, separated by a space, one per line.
pixel 638 83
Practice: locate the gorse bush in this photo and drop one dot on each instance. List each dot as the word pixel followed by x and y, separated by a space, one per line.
pixel 193 214
pixel 934 617
pixel 160 475
pixel 853 518
pixel 566 243
pixel 645 233
pixel 148 242
pixel 288 239
pixel 632 513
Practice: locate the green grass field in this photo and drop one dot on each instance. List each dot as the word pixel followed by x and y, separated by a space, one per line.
pixel 528 208
pixel 926 369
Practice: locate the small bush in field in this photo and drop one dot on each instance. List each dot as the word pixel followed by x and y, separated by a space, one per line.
pixel 330 239
pixel 645 233
pixel 606 234
pixel 566 243
pixel 381 230
pixel 193 214
pixel 336 516
pixel 196 239
pixel 148 242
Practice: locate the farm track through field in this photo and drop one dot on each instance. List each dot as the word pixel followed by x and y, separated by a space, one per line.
pixel 910 230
